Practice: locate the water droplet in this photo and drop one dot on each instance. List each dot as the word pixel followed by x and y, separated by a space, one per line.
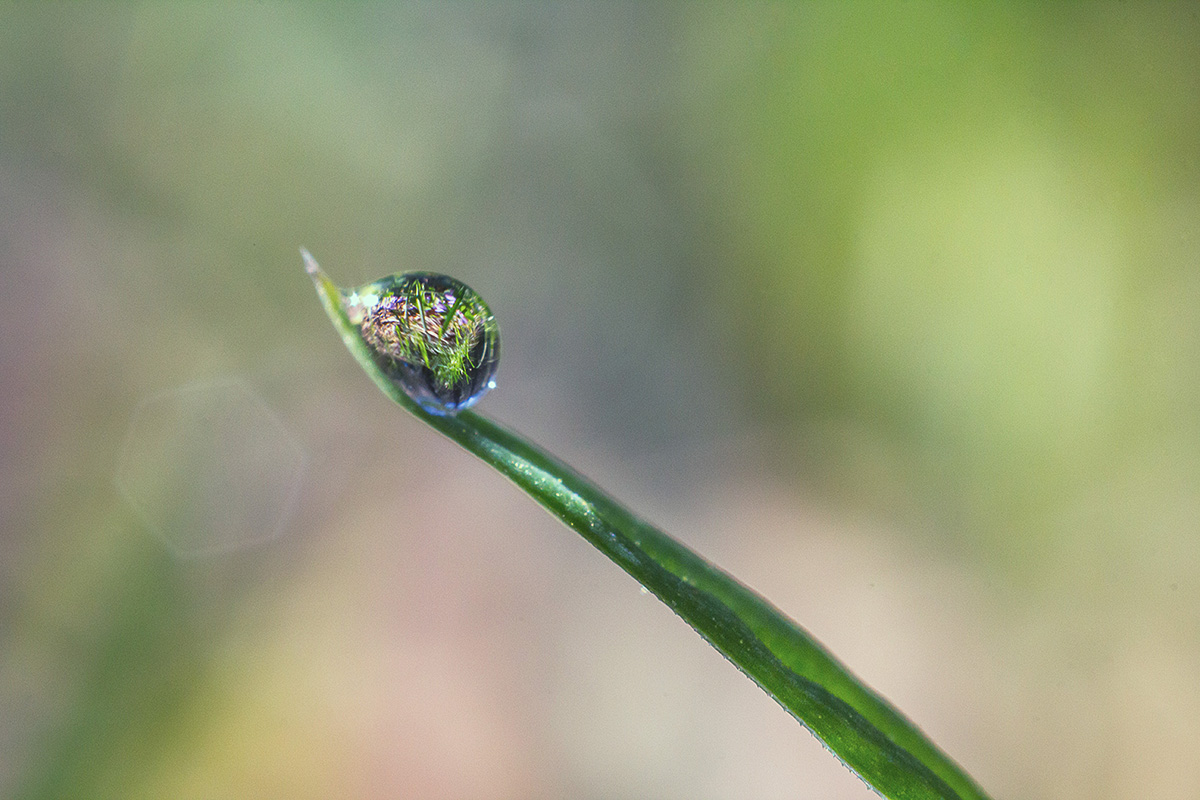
pixel 431 334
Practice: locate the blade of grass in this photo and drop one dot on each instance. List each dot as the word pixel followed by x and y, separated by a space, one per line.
pixel 862 729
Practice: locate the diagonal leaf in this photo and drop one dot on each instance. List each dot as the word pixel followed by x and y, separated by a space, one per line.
pixel 858 726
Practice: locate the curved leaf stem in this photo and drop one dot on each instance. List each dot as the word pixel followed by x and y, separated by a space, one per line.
pixel 858 726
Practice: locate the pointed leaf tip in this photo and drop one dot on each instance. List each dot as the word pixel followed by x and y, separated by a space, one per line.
pixel 310 263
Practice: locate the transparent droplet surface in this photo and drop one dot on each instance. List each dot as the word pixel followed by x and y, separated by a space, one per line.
pixel 431 334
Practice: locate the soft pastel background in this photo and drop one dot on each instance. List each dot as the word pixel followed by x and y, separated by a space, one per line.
pixel 893 310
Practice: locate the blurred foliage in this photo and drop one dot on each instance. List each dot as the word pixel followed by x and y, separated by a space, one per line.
pixel 969 238
pixel 933 266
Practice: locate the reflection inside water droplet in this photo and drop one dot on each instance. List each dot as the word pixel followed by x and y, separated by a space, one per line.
pixel 431 334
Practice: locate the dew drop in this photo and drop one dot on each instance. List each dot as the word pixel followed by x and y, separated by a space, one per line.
pixel 431 334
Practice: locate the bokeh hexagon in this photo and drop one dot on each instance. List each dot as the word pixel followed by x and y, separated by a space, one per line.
pixel 210 468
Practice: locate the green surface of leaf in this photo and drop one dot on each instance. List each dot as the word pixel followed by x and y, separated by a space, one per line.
pixel 862 729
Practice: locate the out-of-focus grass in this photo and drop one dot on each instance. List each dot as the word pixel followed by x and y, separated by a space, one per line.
pixel 971 234
pixel 950 252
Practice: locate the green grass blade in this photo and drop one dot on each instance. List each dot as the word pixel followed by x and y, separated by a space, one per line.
pixel 858 726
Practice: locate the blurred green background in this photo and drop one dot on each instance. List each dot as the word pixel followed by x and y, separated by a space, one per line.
pixel 889 309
